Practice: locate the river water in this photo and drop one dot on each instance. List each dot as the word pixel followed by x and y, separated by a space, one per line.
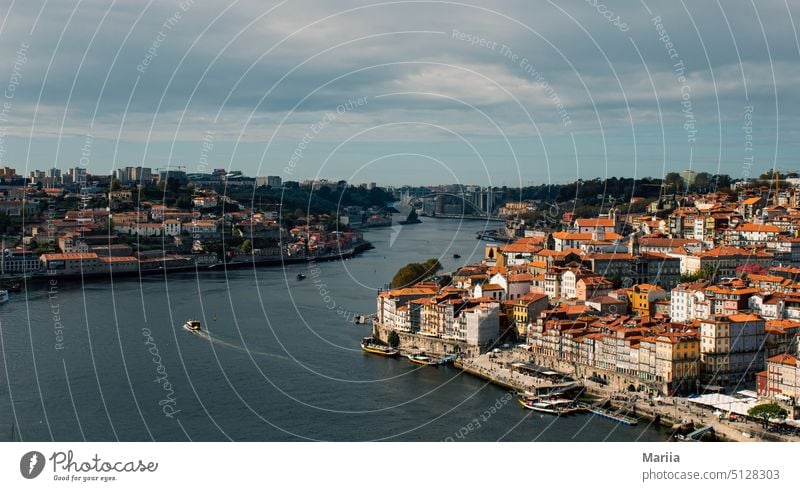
pixel 280 361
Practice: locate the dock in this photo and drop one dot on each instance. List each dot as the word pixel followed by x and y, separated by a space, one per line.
pixel 617 415
pixel 477 372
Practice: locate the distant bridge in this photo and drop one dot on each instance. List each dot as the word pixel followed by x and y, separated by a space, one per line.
pixel 480 204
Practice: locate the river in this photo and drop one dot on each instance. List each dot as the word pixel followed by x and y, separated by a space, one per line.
pixel 281 362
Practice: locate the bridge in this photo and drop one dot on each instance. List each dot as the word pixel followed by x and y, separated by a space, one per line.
pixel 478 204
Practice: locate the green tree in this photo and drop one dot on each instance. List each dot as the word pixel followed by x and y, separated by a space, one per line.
pixel 702 181
pixel 705 273
pixel 115 185
pixel 394 339
pixel 173 184
pixel 246 247
pixel 767 411
pixel 673 182
pixel 415 272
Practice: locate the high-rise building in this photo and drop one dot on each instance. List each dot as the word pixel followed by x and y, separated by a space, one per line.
pixel 121 175
pixel 141 174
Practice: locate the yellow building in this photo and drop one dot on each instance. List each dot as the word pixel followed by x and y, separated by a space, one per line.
pixel 678 360
pixel 643 297
pixel 526 309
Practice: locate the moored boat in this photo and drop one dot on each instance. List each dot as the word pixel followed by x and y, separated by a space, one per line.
pixel 372 345
pixel 556 407
pixel 423 359
pixel 300 276
pixel 3 296
pixel 193 326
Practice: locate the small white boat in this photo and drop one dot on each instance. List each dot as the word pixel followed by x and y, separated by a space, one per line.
pixel 3 296
pixel 551 406
pixel 192 325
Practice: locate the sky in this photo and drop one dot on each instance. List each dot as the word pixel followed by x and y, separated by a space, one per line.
pixel 402 92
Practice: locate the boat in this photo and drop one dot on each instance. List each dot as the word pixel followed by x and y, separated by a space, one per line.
pixel 456 256
pixel 372 345
pixel 3 296
pixel 423 359
pixel 447 360
pixel 193 326
pixel 556 407
pixel 11 287
pixel 300 276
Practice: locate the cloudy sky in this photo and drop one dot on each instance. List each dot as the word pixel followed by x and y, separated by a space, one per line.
pixel 402 92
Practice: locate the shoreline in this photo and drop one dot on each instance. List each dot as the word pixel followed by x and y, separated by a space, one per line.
pixel 271 261
pixel 661 416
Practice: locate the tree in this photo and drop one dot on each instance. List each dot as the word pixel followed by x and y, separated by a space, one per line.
pixel 394 339
pixel 415 272
pixel 702 181
pixel 767 411
pixel 705 273
pixel 173 184
pixel 184 202
pixel 246 247
pixel 115 185
pixel 673 182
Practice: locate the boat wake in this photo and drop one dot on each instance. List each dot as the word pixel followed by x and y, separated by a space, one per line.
pixel 221 342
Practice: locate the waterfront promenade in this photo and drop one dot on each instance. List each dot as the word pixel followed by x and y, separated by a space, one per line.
pixel 499 370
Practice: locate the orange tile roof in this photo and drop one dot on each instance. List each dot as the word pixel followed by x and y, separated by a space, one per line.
pixel 595 222
pixel 755 227
pixel 69 255
pixel 118 259
pixel 744 318
pixel 784 359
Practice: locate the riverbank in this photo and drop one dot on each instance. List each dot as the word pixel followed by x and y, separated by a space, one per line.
pixel 248 261
pixel 498 371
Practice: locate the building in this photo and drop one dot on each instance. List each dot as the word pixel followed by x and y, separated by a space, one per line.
pixel 118 264
pixel 18 262
pixel 390 305
pixel 172 228
pixel 482 324
pixel 678 361
pixel 271 181
pixel 642 298
pixel 684 300
pixel 732 348
pixel 726 261
pixel 782 378
pixel 527 310
pixel 589 287
pixel 71 263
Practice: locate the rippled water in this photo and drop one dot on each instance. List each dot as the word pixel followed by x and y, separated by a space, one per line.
pixel 280 361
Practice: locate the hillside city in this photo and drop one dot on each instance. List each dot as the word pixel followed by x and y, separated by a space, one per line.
pixel 698 293
pixel 690 288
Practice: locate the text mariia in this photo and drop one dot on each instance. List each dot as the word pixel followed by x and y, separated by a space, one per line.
pixel 660 457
